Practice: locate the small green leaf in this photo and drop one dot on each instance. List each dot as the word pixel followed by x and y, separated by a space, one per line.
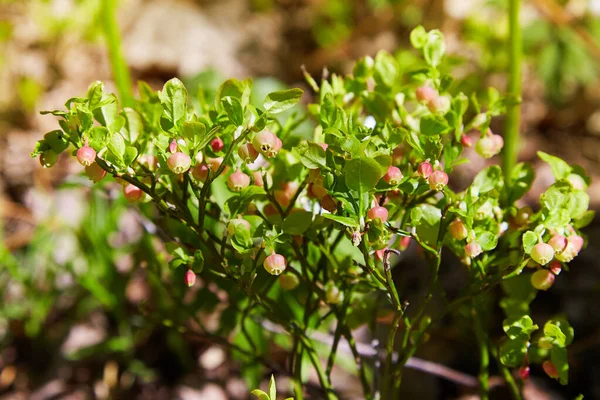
pixel 280 101
pixel 578 204
pixel 174 98
pixel 513 352
pixel 487 179
pixel 556 196
pixel 297 222
pixel 130 155
pixel 346 221
pixel 487 240
pixel 434 48
pixel 194 133
pixel 56 140
pixel 117 145
pixel 521 179
pixel 558 356
pixel 560 169
pixel 518 326
pixel 418 37
pixel 530 239
pixel 260 394
pixel 554 334
pixel 311 155
pixel 385 70
pixel 234 110
pixel 272 388
pixel 433 124
pixel 362 174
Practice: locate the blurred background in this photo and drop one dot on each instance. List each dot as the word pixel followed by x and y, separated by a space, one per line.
pixel 81 314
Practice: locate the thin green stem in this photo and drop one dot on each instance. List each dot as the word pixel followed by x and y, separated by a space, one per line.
pixel 513 114
pixel 117 60
pixel 484 353
pixel 515 389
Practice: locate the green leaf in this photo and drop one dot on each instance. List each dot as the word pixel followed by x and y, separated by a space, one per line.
pixel 346 221
pixel 578 204
pixel 280 101
pixel 56 140
pixel 558 356
pixel 174 98
pixel 117 145
pixel 94 94
pixel 133 124
pixel 238 204
pixel 272 388
pixel 130 154
pixel 521 179
pixel 418 37
pixel 234 110
pixel 430 214
pixel 385 70
pixel 487 240
pixel 513 352
pixel 194 133
pixel 585 219
pixel 518 326
pixel 362 174
pixel 311 155
pixel 558 219
pixel 554 334
pixel 433 124
pixel 260 394
pixel 556 196
pixel 434 48
pixel 198 264
pixel 107 113
pixel 530 239
pixel 560 169
pixel 487 179
pixel 297 222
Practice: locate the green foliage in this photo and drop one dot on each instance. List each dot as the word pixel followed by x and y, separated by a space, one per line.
pixel 307 207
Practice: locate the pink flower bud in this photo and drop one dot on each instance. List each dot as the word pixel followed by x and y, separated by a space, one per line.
pixel 524 372
pixel 439 103
pixel 379 254
pixel 95 172
pixel 542 253
pixel 275 264
pixel 179 162
pixel 426 94
pixel 458 230
pixel 214 163
pixel 438 180
pixel 489 145
pixel 378 212
pixel 247 153
pixel 404 242
pixel 86 155
pixel 132 193
pixel 173 146
pixel 200 172
pixel 324 146
pixel 473 249
pixel 424 170
pixel 237 181
pixel 235 222
pixel 190 278
pixel 258 179
pixel 577 242
pixel 550 369
pixel 555 267
pixel 558 243
pixel 466 141
pixel 542 279
pixel 356 238
pixel 267 143
pixel 393 175
pixel 217 145
pixel 288 281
